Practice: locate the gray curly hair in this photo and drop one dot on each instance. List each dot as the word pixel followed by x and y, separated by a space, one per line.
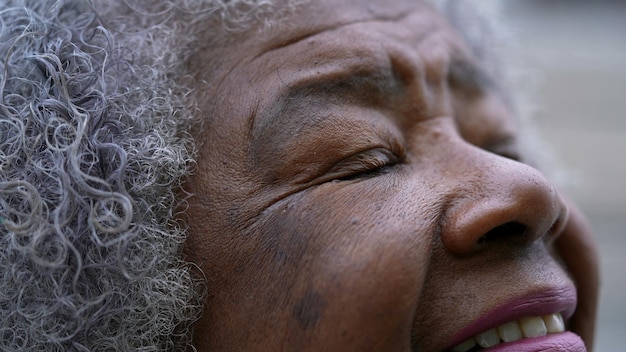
pixel 95 114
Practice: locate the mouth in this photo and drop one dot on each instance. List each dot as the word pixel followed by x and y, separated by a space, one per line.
pixel 527 327
pixel 532 322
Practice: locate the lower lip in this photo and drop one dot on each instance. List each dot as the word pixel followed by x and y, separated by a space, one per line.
pixel 563 342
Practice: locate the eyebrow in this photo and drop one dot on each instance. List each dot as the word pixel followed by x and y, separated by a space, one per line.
pixel 366 84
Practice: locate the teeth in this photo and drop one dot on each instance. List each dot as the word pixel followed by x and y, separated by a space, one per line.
pixel 533 327
pixel 488 338
pixel 510 331
pixel 515 330
pixel 554 323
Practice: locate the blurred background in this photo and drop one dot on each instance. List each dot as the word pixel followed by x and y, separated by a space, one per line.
pixel 578 52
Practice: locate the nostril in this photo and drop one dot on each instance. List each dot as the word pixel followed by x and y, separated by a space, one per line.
pixel 510 231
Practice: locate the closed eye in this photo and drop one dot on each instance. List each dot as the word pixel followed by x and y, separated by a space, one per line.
pixel 367 164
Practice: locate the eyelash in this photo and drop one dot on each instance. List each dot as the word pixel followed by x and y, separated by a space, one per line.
pixel 371 163
pixel 381 170
pixel 379 161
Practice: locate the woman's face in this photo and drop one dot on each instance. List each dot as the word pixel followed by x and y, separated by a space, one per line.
pixel 360 188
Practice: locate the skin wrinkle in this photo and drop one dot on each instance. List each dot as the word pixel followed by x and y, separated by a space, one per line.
pixel 289 43
pixel 307 166
pixel 346 82
pixel 315 84
pixel 298 224
pixel 300 93
pixel 306 86
pixel 309 36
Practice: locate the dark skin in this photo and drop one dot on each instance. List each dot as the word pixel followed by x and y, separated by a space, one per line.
pixel 360 188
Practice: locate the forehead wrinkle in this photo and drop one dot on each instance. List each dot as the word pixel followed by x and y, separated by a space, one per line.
pixel 359 83
pixel 301 37
pixel 321 28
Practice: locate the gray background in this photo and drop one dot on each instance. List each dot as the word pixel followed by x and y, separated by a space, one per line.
pixel 579 50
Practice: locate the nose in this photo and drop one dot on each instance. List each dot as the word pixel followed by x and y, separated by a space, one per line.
pixel 500 201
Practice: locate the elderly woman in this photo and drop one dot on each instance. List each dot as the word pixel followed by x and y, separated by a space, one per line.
pixel 322 175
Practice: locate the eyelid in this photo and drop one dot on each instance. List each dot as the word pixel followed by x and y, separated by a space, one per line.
pixel 363 162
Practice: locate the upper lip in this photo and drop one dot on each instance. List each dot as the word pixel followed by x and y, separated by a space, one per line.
pixel 556 300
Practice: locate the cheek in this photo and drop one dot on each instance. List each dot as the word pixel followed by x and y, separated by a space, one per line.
pixel 348 260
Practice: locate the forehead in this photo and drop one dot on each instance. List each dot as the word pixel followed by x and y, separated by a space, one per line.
pixel 326 24
pixel 325 40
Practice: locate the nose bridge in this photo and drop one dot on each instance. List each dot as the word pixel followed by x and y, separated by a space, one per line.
pixel 497 200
